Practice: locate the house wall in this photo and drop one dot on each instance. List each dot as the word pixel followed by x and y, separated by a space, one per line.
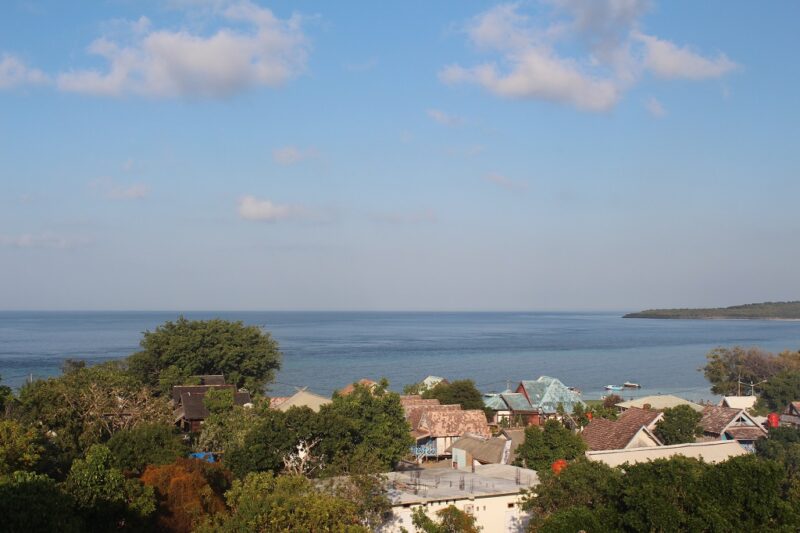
pixel 641 440
pixel 494 514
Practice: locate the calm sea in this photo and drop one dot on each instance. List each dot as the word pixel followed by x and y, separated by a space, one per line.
pixel 325 351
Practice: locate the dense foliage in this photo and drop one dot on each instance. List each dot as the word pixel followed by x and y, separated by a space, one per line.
pixel 175 351
pixel 462 392
pixel 264 502
pixel 85 406
pixel 731 370
pixel 134 449
pixel 679 494
pixel 104 496
pixel 543 446
pixel 680 424
pixel 188 492
pixel 451 519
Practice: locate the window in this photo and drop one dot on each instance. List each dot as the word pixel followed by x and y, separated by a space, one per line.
pixel 511 505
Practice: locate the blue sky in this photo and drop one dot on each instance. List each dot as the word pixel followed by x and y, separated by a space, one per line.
pixel 554 154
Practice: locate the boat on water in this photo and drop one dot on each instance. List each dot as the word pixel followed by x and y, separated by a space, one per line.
pixel 630 385
pixel 615 387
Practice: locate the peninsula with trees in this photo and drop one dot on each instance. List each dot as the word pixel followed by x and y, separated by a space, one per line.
pixel 765 310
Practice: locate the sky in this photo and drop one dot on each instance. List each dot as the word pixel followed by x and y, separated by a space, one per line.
pixel 450 155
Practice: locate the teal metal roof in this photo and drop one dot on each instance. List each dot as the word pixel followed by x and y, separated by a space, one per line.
pixel 494 402
pixel 546 393
pixel 517 401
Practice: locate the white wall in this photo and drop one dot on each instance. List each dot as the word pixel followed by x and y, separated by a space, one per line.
pixel 493 514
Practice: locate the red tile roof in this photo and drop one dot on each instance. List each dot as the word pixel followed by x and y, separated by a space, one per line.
pixel 415 412
pixel 454 423
pixel 604 434
pixel 716 418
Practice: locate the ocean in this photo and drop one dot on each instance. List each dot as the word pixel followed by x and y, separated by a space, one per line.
pixel 326 350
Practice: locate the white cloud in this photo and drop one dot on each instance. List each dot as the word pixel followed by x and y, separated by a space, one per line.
pixel 443 118
pixel 290 155
pixel 15 73
pixel 42 240
pixel 586 54
pixel 668 60
pixel 117 191
pixel 537 74
pixel 165 63
pixel 251 208
pixel 505 182
pixel 655 108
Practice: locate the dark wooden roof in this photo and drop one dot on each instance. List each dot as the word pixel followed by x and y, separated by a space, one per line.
pixel 177 390
pixel 194 408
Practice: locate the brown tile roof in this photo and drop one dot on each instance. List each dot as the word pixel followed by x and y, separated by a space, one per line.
pixel 415 399
pixel 453 423
pixel 746 433
pixel 350 387
pixel 716 418
pixel 604 434
pixel 414 413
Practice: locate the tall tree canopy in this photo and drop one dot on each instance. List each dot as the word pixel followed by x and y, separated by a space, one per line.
pixel 542 447
pixel 134 449
pixel 20 447
pixel 727 367
pixel 246 355
pixel 780 390
pixel 680 424
pixel 85 406
pixel 462 392
pixel 264 502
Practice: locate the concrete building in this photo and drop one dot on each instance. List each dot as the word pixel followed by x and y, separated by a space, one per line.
pixel 491 494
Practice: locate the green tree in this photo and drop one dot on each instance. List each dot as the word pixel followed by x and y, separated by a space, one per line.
pixel 749 492
pixel 246 355
pixel 780 390
pixel 542 447
pixel 726 367
pixel 85 406
pixel 665 495
pixel 33 502
pixel 680 424
pixel 6 398
pixel 20 447
pixel 103 495
pixel 584 484
pixel 218 401
pixel 370 419
pixel 462 392
pixel 265 445
pixel 451 519
pixel 264 502
pixel 134 449
pixel 227 430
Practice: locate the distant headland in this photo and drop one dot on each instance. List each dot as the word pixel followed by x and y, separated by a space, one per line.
pixel 765 310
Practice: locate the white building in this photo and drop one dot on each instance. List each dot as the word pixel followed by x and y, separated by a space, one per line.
pixel 490 493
